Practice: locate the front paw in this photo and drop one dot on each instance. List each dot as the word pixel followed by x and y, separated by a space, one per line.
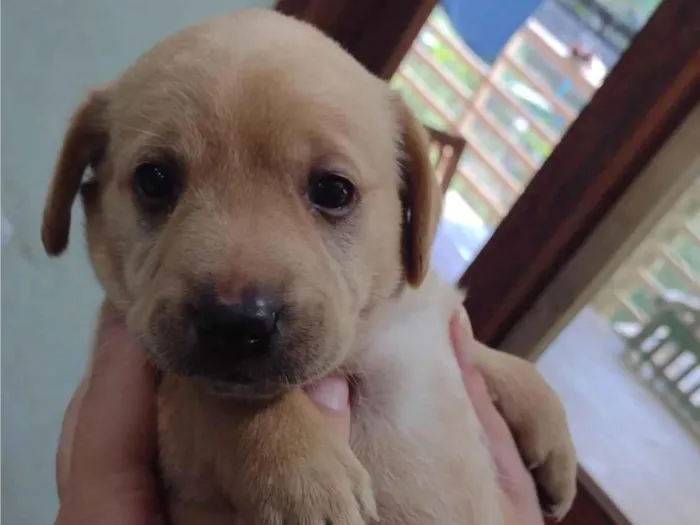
pixel 537 419
pixel 327 487
pixel 553 468
pixel 541 431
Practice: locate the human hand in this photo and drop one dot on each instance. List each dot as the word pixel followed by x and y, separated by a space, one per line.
pixel 107 448
pixel 515 479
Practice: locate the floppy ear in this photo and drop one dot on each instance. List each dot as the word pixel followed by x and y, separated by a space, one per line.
pixel 83 145
pixel 420 194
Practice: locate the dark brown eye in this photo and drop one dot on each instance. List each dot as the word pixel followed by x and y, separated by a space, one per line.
pixel 157 184
pixel 331 193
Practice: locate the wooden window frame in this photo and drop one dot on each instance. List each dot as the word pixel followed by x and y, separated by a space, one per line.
pixel 644 99
pixel 378 33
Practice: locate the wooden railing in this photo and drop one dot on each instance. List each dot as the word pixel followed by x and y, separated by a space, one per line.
pixel 445 150
pixel 601 21
pixel 665 355
pixel 511 115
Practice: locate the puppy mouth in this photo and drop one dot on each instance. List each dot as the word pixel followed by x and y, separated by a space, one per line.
pixel 231 378
pixel 249 389
pixel 240 360
pixel 258 384
pixel 244 378
pixel 316 388
pixel 236 381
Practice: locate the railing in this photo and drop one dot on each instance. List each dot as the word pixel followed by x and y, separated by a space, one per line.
pixel 665 355
pixel 602 22
pixel 511 114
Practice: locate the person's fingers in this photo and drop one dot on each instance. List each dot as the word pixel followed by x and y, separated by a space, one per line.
pixel 514 477
pixel 116 422
pixel 65 442
pixel 108 440
pixel 494 426
pixel 332 395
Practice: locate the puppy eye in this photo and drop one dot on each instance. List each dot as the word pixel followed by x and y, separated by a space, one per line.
pixel 331 193
pixel 157 184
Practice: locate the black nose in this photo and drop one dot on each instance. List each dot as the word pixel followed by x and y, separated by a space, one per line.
pixel 243 326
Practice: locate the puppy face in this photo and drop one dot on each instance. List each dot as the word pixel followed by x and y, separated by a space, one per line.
pixel 255 193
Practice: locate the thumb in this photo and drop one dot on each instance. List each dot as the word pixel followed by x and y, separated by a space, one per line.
pixel 116 425
pixel 110 436
pixel 332 396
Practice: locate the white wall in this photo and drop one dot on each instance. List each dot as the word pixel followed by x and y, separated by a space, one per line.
pixel 52 51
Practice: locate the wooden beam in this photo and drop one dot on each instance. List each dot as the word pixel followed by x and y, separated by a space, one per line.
pixel 532 34
pixel 559 105
pixel 378 33
pixel 545 133
pixel 646 96
pixel 503 135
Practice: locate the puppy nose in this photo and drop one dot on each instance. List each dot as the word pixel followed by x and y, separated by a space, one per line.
pixel 249 322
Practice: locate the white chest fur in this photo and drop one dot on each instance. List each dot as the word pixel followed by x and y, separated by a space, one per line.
pixel 414 427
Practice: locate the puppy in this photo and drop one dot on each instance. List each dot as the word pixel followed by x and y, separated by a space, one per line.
pixel 262 209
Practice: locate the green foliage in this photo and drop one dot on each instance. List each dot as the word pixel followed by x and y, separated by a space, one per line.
pixel 444 95
pixel 667 277
pixel 643 300
pixel 689 252
pixel 422 111
pixel 622 316
pixel 469 77
pixel 466 75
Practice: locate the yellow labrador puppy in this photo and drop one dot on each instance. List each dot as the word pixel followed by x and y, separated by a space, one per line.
pixel 262 209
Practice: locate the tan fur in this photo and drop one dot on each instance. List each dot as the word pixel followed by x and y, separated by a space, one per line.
pixel 249 105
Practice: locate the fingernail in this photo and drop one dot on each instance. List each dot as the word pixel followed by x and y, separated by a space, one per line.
pixel 332 393
pixel 463 319
pixel 465 337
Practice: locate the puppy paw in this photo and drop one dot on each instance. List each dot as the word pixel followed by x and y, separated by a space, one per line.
pixel 542 434
pixel 538 423
pixel 330 488
pixel 555 477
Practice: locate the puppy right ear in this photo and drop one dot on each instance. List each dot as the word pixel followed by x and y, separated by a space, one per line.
pixel 420 195
pixel 83 145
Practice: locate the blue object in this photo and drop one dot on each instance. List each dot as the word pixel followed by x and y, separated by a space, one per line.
pixel 487 25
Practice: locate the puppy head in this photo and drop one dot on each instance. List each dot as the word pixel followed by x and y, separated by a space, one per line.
pixel 254 194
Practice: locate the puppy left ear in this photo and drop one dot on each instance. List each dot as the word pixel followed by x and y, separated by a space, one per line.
pixel 84 143
pixel 420 194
